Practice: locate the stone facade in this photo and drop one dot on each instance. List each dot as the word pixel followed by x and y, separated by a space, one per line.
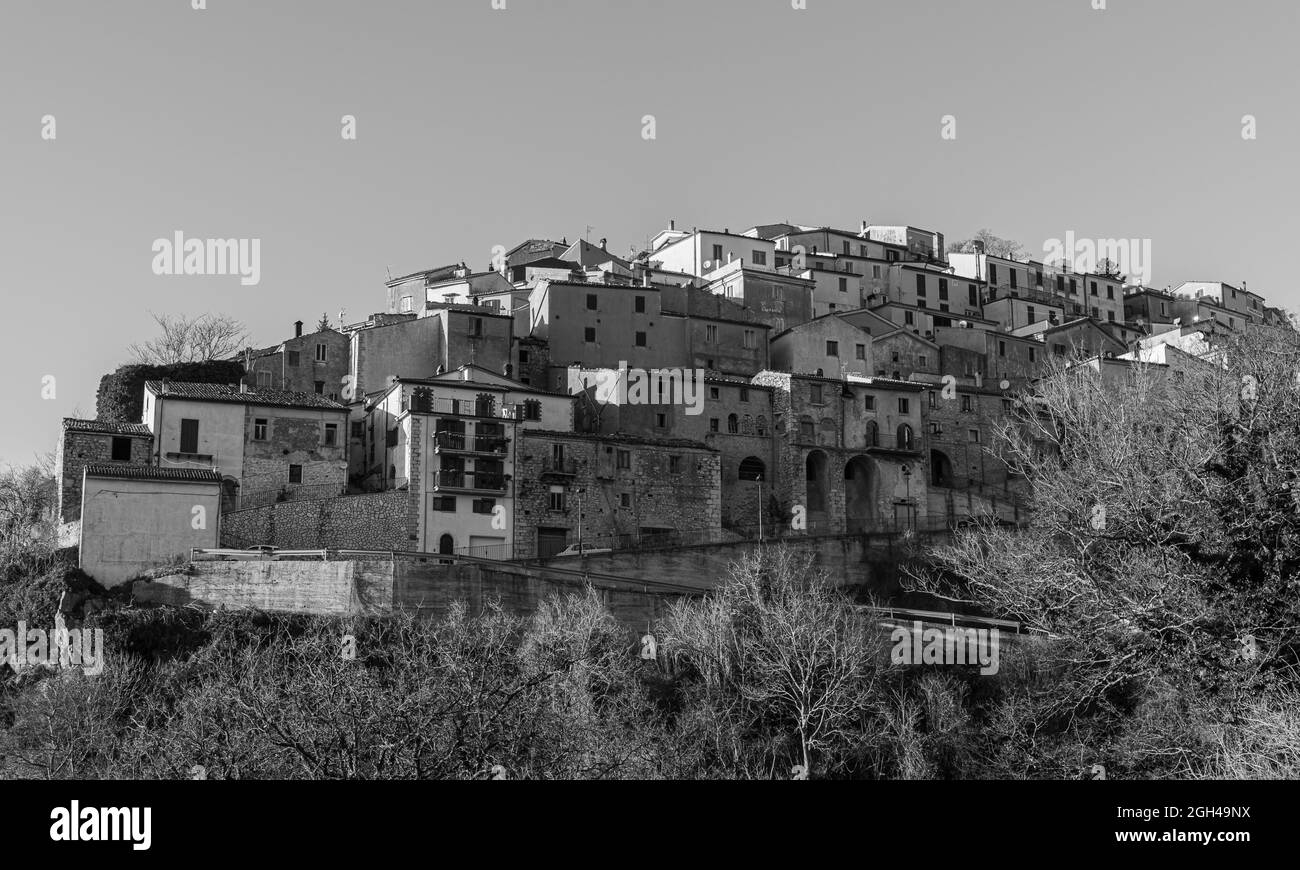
pixel 291 441
pixel 376 521
pixel 87 442
pixel 630 489
pixel 314 363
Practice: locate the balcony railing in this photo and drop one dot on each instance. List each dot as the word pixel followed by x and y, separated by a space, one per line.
pixel 459 442
pixel 476 481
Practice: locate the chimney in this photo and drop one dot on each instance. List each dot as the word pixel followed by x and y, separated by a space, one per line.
pixel 602 244
pixel 864 228
pixel 297 329
pixel 672 225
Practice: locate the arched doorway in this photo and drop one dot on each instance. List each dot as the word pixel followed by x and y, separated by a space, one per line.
pixel 815 483
pixel 446 545
pixel 940 469
pixel 859 502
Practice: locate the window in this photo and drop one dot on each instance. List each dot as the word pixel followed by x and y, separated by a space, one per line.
pixel 1031 314
pixel 674 465
pixel 1038 278
pixel 894 356
pixel 904 437
pixel 717 255
pixel 908 318
pixel 661 421
pixel 1110 291
pixel 359 429
pixel 320 388
pixel 320 353
pixel 832 348
pixel 523 357
pixel 591 301
pixel 713 393
pixel 875 271
pixel 744 394
pixel 1060 283
pixel 1032 354
pixel 807 433
pixel 966 402
pixel 331 434
pixel 476 327
pixel 1110 316
pixel 904 406
pixel 623 459
pixel 920 360
pixel 625 499
pixel 1014 279
pixel 751 339
pixel 189 436
pixel 711 334
pixel 993 273
pixel 859 351
pixel 934 429
pixel 713 424
pixel 640 339
pixel 1093 288
pixel 1094 311
pixel 920 285
pixel 406 303
pixel 444 503
pixel 484 505
pixel 259 429
pixel 815 394
pixel 1002 348
pixel 733 424
pixel 870 403
pixel 872 434
pixel 264 379
pixel 931 398
pixel 295 474
pixel 121 450
pixel 759 258
pixel 1006 406
pixel 640 305
pixel 974 435
pixel 974 295
pixel 1074 288
pixel 943 288
pixel 293 358
pixel 556 499
pixel 589 334
pixel 844 285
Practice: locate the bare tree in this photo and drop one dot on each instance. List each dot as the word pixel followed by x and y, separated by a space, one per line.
pixel 990 244
pixel 192 339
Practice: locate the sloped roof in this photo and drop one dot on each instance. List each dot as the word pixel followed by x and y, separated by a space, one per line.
pixel 254 395
pixel 153 472
pixel 139 430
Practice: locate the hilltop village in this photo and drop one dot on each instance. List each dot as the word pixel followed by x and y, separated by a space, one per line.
pixel 717 386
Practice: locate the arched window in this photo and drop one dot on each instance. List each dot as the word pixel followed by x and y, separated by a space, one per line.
pixel 760 424
pixel 873 434
pixel 733 424
pixel 904 437
pixel 752 468
pixel 446 544
pixel 829 436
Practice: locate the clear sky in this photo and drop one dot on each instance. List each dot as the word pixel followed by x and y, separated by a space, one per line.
pixel 478 127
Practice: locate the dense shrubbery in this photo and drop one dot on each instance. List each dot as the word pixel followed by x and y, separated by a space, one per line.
pixel 121 392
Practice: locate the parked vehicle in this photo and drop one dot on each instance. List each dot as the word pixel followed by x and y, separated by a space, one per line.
pixel 583 550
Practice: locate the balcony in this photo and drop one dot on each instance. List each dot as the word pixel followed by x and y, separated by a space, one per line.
pixel 459 442
pixel 469 481
pixel 552 467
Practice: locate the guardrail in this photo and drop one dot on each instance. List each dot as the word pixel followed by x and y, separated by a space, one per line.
pixel 219 555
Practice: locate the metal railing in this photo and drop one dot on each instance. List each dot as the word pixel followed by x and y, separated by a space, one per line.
pixel 477 481
pixel 460 442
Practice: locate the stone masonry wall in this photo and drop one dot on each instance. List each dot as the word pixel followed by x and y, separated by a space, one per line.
pixel 376 521
pixel 79 449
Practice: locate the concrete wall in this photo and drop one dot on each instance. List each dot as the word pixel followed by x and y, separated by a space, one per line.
pixel 129 526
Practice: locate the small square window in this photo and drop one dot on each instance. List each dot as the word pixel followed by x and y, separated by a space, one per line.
pixel 640 339
pixel 591 301
pixel 121 450
pixel 295 474
pixel 589 334
pixel 259 429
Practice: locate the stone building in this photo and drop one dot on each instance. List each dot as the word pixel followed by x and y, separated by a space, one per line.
pixel 850 454
pixel 615 491
pixel 268 445
pixel 314 363
pixel 87 442
pixel 451 442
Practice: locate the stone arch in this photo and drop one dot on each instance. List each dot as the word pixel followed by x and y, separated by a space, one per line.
pixel 752 468
pixel 446 545
pixel 816 484
pixel 905 437
pixel 861 482
pixel 941 469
